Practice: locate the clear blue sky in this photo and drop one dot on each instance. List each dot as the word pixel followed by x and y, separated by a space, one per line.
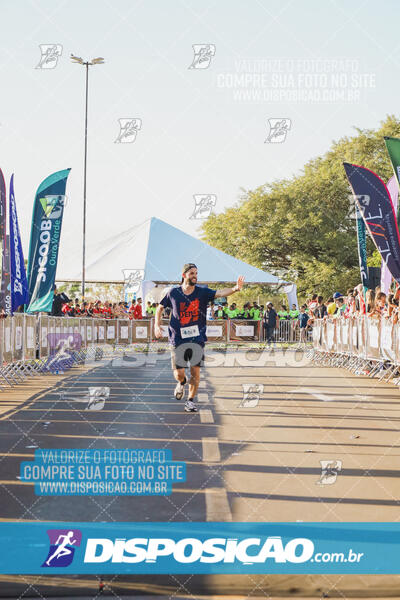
pixel 198 134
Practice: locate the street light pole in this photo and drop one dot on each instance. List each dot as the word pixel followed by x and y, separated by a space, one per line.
pixel 94 61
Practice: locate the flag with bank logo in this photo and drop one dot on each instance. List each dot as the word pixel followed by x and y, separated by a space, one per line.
pixel 19 283
pixel 373 199
pixel 362 249
pixel 48 210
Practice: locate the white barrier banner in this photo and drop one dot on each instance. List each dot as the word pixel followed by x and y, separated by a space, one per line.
pixel 18 338
pixel 244 330
pixel 141 332
pixel 373 331
pixel 43 341
pixel 30 337
pixel 124 332
pixel 7 339
pixel 215 330
pixel 345 332
pixel 330 331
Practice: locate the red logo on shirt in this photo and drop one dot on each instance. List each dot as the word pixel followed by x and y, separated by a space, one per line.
pixel 189 313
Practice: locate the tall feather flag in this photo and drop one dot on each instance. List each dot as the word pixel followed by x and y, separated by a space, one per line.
pixel 393 149
pixel 393 188
pixel 19 283
pixel 48 210
pixel 5 297
pixel 376 207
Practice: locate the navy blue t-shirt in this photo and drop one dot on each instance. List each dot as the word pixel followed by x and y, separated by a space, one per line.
pixel 303 319
pixel 188 311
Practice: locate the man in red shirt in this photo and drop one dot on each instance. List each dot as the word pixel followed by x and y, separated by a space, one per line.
pixel 131 310
pixel 137 311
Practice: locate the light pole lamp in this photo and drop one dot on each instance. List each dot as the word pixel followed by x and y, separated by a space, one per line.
pixel 87 64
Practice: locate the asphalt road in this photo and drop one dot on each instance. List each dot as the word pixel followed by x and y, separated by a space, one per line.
pixel 253 453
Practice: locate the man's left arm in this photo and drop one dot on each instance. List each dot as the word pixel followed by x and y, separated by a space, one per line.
pixel 229 291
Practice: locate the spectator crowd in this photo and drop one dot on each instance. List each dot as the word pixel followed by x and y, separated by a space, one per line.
pixel 373 303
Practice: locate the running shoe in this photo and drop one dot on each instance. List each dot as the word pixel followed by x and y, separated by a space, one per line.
pixel 190 406
pixel 180 390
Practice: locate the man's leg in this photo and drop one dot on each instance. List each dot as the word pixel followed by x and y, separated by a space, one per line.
pixel 177 360
pixel 194 381
pixel 179 374
pixel 196 361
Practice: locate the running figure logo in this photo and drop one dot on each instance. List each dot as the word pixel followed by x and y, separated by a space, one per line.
pixel 203 54
pixel 330 470
pixel 128 129
pixel 62 547
pixel 278 129
pixel 50 54
pixel 203 205
pixel 251 394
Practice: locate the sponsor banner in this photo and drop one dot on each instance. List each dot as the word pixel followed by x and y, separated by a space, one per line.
pixel 164 330
pixel 47 217
pixel 330 334
pixel 19 283
pixel 373 199
pixel 204 548
pixel 362 248
pixel 244 330
pixel 124 328
pixel 29 336
pixel 386 277
pixel 5 290
pixel 217 330
pixel 3 242
pixel 345 334
pixel 141 331
pixel 373 337
pixel 388 339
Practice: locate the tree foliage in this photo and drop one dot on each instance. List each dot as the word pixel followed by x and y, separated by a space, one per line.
pixel 302 229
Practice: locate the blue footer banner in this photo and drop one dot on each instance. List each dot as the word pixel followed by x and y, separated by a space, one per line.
pixel 204 548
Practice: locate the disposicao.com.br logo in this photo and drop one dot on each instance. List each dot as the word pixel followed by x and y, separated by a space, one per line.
pixel 208 548
pixel 192 550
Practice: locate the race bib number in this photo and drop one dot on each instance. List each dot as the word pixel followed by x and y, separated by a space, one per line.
pixel 188 332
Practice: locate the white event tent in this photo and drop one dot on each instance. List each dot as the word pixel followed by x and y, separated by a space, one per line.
pixel 158 251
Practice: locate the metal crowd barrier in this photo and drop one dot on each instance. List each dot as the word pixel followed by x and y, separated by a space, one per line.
pixel 364 345
pixel 31 344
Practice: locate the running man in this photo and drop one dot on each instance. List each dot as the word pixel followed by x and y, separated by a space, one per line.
pixel 62 549
pixel 187 328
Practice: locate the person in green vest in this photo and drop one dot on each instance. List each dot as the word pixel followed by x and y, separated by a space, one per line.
pixel 244 313
pixel 257 314
pixel 294 312
pixel 283 313
pixel 252 309
pixel 219 312
pixel 232 311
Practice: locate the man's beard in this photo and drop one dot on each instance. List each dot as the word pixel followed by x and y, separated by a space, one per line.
pixel 192 281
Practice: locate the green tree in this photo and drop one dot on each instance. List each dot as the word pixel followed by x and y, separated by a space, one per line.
pixel 302 229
